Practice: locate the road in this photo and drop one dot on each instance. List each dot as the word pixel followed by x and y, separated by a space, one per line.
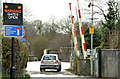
pixel 33 68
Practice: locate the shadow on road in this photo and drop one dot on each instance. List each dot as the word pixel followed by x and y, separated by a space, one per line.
pixel 50 72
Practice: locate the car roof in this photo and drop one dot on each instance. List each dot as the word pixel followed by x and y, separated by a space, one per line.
pixel 51 54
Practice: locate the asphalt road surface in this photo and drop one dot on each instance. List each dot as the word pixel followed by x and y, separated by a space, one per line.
pixel 33 68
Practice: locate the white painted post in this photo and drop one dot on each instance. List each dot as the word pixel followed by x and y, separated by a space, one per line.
pixel 91 62
pixel 97 64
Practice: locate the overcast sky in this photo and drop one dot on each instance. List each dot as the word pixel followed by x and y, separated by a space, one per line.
pixel 44 9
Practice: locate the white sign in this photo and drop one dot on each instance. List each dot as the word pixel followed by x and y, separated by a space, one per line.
pixel 12 15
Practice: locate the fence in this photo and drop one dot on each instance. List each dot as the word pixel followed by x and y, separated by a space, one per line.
pixel 105 64
pixel 80 66
pixel 86 67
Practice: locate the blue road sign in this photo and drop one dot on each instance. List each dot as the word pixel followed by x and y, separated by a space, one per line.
pixel 13 31
pixel 22 39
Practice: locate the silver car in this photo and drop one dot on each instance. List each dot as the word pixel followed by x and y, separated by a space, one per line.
pixel 50 61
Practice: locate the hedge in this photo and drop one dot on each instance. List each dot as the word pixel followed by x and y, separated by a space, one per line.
pixel 21 57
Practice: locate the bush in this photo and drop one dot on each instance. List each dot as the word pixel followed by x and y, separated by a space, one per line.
pixel 21 56
pixel 27 76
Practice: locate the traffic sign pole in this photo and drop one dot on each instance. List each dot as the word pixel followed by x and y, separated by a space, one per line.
pixel 12 75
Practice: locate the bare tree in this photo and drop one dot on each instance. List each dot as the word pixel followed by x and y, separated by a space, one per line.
pixel 65 26
pixel 50 28
pixel 62 40
pixel 38 45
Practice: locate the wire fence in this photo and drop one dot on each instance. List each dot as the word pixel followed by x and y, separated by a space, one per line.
pixel 80 66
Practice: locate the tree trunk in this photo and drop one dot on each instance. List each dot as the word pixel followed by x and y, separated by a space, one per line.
pixel 114 38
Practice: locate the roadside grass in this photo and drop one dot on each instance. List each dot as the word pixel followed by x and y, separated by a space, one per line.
pixel 70 70
pixel 27 76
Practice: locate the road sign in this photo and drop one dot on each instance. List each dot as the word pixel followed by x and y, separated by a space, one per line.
pixel 22 39
pixel 12 14
pixel 91 30
pixel 23 34
pixel 13 31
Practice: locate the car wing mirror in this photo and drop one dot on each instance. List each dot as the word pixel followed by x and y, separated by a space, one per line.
pixel 60 59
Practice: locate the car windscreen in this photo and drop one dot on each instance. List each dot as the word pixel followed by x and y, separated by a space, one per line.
pixel 49 57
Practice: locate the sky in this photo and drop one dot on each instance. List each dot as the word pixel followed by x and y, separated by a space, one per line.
pixel 45 9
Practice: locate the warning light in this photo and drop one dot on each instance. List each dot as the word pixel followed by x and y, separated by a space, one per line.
pixel 19 7
pixel 6 6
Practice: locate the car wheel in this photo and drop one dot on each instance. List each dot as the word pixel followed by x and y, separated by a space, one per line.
pixel 59 69
pixel 41 69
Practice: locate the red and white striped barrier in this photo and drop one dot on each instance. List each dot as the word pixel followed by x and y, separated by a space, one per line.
pixel 81 31
pixel 74 32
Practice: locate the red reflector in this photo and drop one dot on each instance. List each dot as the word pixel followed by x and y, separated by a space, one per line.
pixel 42 61
pixel 18 28
pixel 56 61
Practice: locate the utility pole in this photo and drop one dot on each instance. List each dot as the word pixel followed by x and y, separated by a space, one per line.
pixel 92 40
pixel 40 27
pixel 92 26
pixel 91 57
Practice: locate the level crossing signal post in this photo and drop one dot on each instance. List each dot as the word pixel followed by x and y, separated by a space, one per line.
pixel 91 31
pixel 13 21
